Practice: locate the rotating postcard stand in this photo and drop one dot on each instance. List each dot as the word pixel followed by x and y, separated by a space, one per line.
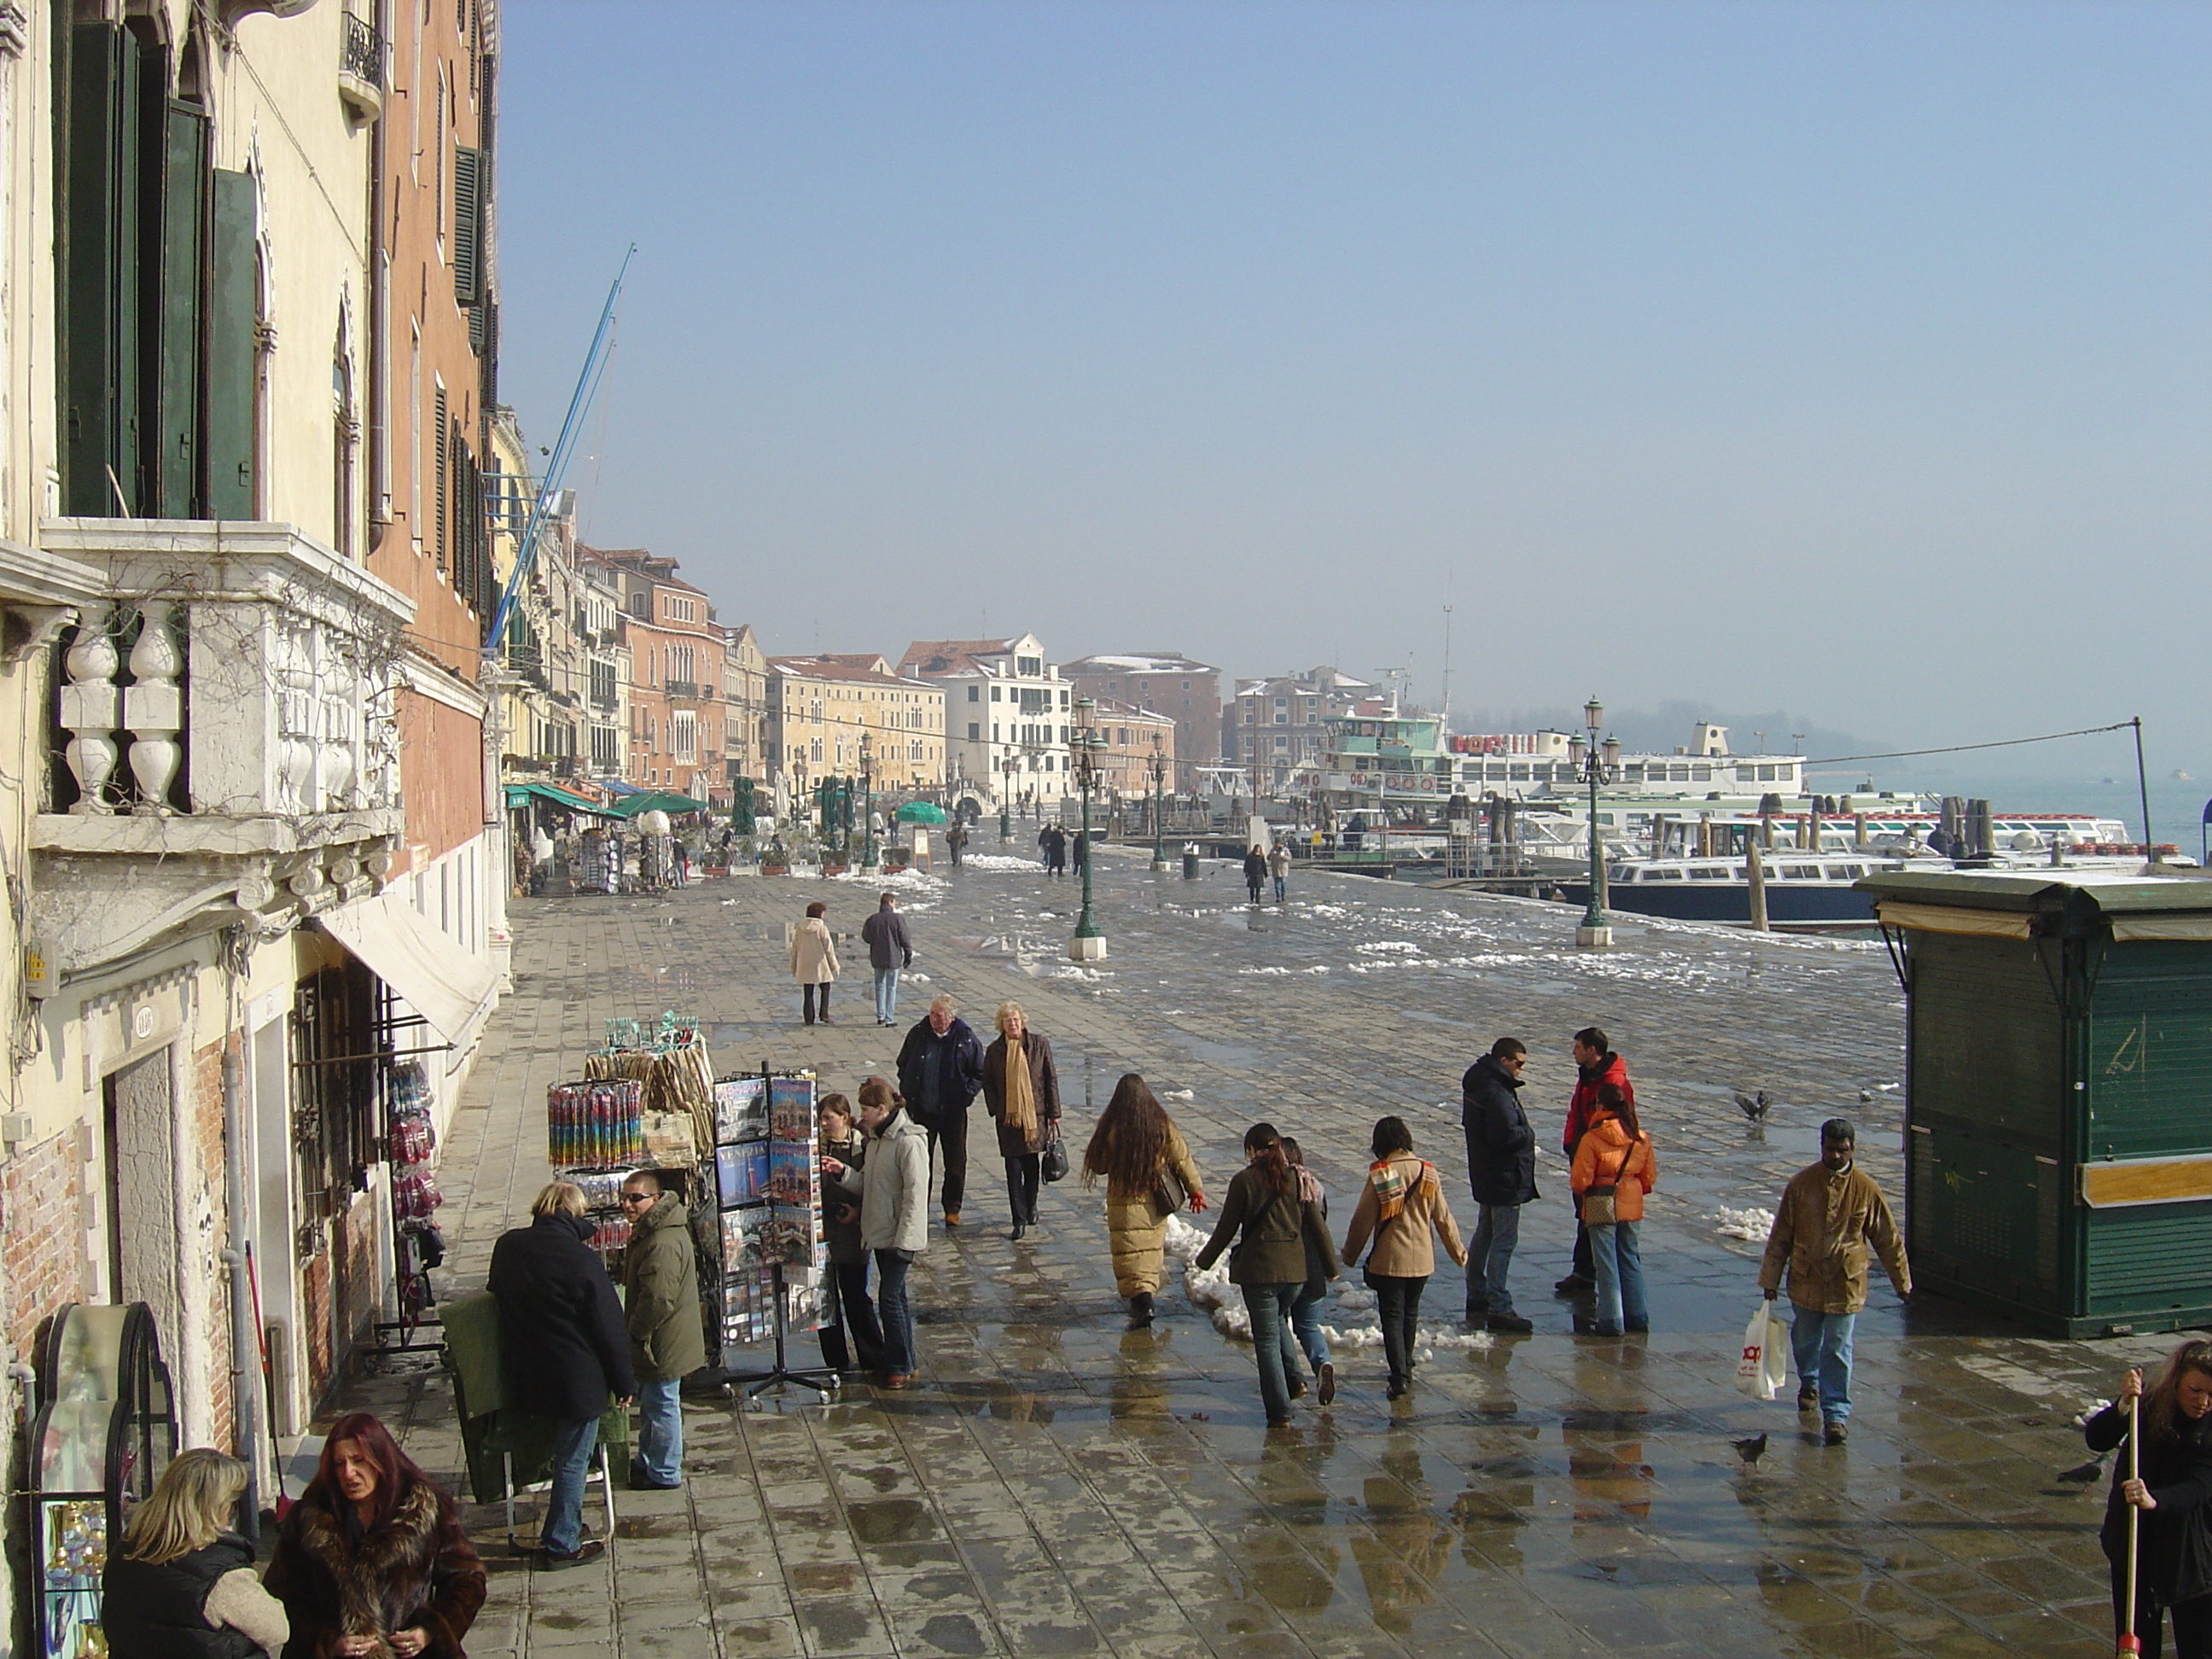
pixel 768 1185
pixel 106 1429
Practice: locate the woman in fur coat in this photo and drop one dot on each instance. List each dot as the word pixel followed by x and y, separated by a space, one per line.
pixel 372 1561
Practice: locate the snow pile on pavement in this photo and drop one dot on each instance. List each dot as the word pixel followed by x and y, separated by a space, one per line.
pixel 894 881
pixel 1000 861
pixel 1751 1224
pixel 1271 972
pixel 1209 1288
pixel 1389 946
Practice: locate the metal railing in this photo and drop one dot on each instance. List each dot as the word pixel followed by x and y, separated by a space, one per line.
pixel 360 51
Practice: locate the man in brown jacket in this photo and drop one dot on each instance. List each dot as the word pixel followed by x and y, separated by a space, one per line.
pixel 1831 1217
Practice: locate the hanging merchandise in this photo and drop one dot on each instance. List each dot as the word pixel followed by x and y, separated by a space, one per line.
pixel 594 1124
pixel 774 1254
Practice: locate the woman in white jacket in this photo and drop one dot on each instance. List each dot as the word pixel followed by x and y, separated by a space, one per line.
pixel 894 1189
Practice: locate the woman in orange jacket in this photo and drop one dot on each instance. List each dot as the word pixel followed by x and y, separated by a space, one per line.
pixel 1613 1163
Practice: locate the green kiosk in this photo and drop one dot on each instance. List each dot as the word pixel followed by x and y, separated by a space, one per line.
pixel 2058 1078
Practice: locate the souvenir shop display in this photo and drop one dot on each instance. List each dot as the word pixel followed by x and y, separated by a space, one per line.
pixel 774 1254
pixel 595 1124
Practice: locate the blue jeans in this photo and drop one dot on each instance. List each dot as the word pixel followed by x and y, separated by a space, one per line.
pixel 1273 1344
pixel 1619 1277
pixel 1490 1258
pixel 1305 1322
pixel 1280 882
pixel 573 1446
pixel 887 994
pixel 895 1311
pixel 660 1432
pixel 1821 1345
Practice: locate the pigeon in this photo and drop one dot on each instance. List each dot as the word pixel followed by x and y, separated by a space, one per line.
pixel 2082 1473
pixel 1866 1096
pixel 1755 1108
pixel 1750 1450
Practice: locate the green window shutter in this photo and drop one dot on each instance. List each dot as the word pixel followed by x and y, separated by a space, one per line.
pixel 98 272
pixel 441 435
pixel 228 438
pixel 471 173
pixel 483 328
pixel 172 458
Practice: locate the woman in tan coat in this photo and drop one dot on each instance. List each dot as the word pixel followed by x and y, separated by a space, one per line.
pixel 814 961
pixel 1402 1208
pixel 1021 1090
pixel 1149 1177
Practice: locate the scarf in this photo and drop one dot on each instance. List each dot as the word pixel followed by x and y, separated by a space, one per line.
pixel 1018 1111
pixel 1308 1186
pixel 1391 1188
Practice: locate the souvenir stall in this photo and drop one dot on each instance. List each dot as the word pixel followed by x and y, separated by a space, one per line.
pixel 774 1255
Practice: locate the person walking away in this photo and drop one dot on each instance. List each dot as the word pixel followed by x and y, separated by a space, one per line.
pixel 814 961
pixel 1305 1307
pixel 1279 866
pixel 371 1559
pixel 1595 1063
pixel 1255 872
pixel 667 1341
pixel 1080 845
pixel 1021 1090
pixel 1614 1168
pixel 1831 1216
pixel 956 841
pixel 683 861
pixel 541 859
pixel 1402 1208
pixel 1147 1166
pixel 940 1068
pixel 894 1189
pixel 1501 1172
pixel 1059 849
pixel 851 1339
pixel 1266 1221
pixel 889 950
pixel 565 1347
pixel 2174 1557
pixel 182 1584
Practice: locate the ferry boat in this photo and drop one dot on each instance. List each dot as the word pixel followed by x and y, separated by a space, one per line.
pixel 1802 889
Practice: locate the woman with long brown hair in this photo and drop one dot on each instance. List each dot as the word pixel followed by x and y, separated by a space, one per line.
pixel 1269 1219
pixel 1021 1090
pixel 1615 1169
pixel 2173 1571
pixel 372 1559
pixel 1141 1155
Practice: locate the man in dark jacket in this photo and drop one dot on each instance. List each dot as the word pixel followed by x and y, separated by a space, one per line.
pixel 889 950
pixel 940 1068
pixel 1595 1064
pixel 561 1330
pixel 1501 1168
pixel 660 1305
pixel 1255 872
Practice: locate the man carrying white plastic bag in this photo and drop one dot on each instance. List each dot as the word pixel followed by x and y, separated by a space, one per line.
pixel 1832 1219
pixel 1764 1367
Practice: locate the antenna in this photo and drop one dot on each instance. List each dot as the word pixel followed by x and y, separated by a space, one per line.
pixel 1444 726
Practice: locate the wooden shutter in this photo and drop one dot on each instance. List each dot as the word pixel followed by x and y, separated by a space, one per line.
pixel 484 335
pixel 175 226
pixel 228 438
pixel 441 427
pixel 471 171
pixel 99 272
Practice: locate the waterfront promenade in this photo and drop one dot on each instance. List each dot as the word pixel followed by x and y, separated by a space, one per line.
pixel 1055 1484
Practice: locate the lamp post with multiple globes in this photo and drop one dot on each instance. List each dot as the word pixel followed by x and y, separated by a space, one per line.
pixel 1595 764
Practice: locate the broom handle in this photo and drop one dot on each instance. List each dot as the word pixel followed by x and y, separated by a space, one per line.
pixel 2128 1642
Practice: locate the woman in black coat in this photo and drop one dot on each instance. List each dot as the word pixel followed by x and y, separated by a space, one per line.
pixel 2173 1569
pixel 1021 1090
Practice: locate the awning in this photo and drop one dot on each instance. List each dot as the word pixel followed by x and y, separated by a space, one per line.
pixel 2156 926
pixel 519 794
pixel 1952 919
pixel 444 983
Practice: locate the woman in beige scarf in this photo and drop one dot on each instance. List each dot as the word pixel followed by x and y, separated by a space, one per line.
pixel 1021 1090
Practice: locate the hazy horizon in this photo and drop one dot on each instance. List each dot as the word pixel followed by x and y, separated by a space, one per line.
pixel 1846 358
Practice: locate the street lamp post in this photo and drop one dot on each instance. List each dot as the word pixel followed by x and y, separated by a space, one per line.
pixel 1159 765
pixel 1005 799
pixel 868 806
pixel 1597 763
pixel 1089 945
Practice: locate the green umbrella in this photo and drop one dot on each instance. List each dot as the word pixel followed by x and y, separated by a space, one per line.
pixel 920 812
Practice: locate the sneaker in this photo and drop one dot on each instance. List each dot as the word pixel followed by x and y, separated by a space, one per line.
pixel 1512 1324
pixel 589 1550
pixel 1297 1388
pixel 897 1379
pixel 1833 1435
pixel 1328 1383
pixel 641 1482
pixel 1573 1284
pixel 1808 1397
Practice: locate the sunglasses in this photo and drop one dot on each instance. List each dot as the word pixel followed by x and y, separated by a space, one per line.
pixel 638 1198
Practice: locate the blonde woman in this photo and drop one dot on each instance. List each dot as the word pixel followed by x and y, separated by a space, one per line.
pixel 184 1584
pixel 1021 1090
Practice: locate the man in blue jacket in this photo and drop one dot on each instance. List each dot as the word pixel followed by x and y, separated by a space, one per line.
pixel 940 1068
pixel 1501 1168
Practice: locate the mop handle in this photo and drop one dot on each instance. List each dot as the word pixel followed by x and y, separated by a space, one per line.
pixel 2130 1641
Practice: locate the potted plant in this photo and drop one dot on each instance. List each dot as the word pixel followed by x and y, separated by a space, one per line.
pixel 775 857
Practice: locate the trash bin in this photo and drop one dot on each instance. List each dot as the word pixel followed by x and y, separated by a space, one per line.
pixel 2058 1043
pixel 1190 864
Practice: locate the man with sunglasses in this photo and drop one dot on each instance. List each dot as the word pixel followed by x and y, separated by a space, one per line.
pixel 660 1298
pixel 1501 1168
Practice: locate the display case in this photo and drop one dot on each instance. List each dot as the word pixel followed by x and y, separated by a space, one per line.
pixel 106 1429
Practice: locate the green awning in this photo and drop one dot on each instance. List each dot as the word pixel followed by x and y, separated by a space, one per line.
pixel 664 800
pixel 520 794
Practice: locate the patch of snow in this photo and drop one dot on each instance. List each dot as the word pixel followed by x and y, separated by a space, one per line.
pixel 1001 861
pixel 1754 1224
pixel 1382 947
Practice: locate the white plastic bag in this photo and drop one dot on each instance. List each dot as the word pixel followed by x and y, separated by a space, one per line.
pixel 1765 1366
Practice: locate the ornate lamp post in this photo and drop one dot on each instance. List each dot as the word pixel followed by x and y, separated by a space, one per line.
pixel 868 805
pixel 1160 768
pixel 1089 945
pixel 1596 763
pixel 1005 799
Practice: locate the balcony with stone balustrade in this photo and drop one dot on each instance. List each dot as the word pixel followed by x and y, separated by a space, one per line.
pixel 224 741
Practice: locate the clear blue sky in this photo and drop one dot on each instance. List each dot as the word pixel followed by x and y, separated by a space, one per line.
pixel 1846 358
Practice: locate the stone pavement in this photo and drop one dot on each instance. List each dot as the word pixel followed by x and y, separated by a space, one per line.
pixel 1056 1484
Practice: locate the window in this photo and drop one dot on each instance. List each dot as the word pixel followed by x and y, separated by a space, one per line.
pixel 994 694
pixel 1029 667
pixel 1063 698
pixel 994 732
pixel 974 693
pixel 975 731
pixel 1282 719
pixel 684 736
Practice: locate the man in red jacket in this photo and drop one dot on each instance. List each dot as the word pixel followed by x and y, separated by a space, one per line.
pixel 1596 1063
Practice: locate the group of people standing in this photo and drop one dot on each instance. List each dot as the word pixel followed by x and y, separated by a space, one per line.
pixel 1264 865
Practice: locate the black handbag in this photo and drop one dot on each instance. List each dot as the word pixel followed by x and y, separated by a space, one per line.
pixel 1056 1155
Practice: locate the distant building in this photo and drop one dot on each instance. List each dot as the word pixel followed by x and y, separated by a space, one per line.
pixel 1166 683
pixel 1283 723
pixel 821 711
pixel 1007 712
pixel 746 744
pixel 676 702
pixel 1133 736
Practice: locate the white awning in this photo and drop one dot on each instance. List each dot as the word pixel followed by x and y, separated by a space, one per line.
pixel 444 983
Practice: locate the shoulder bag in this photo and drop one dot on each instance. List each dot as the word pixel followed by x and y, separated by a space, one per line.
pixel 1169 1194
pixel 1597 1197
pixel 1054 1156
